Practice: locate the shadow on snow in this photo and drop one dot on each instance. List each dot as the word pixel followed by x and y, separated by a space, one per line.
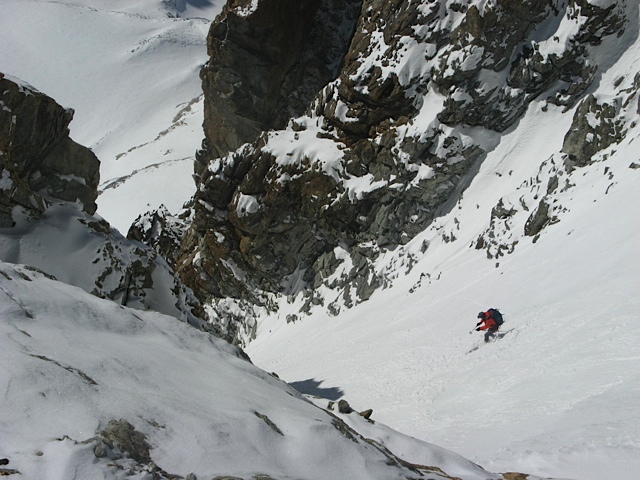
pixel 312 387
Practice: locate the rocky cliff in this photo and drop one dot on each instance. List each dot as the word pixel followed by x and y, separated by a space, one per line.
pixel 267 62
pixel 39 161
pixel 312 169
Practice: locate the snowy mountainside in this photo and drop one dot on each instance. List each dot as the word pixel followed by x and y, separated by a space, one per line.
pixel 543 224
pixel 129 69
pixel 427 92
pixel 96 390
pixel 556 395
pixel 93 389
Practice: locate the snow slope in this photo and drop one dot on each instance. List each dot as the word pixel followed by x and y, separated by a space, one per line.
pixel 129 69
pixel 72 363
pixel 557 395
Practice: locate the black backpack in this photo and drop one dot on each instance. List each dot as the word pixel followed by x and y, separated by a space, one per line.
pixel 496 315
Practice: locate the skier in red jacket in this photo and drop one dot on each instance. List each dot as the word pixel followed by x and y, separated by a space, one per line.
pixel 490 324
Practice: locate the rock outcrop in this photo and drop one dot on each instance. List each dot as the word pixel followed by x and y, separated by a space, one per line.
pixel 596 125
pixel 38 159
pixel 267 64
pixel 390 135
pixel 161 231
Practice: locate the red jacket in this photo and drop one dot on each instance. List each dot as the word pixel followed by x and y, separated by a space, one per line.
pixel 488 322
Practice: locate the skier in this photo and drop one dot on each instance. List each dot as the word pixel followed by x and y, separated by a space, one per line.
pixel 492 320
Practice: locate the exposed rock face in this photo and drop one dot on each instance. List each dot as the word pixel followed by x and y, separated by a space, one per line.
pixel 122 436
pixel 383 144
pixel 39 161
pixel 267 65
pixel 496 42
pixel 595 126
pixel 161 231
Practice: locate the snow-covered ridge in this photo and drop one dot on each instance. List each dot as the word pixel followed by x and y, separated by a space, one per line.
pixel 95 390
